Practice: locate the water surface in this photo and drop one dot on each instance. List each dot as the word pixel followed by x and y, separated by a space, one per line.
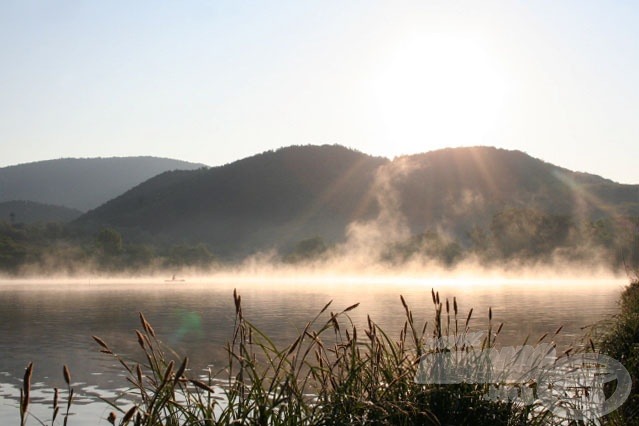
pixel 50 323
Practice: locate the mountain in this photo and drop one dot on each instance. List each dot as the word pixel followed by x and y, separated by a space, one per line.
pixel 81 183
pixel 282 197
pixel 31 212
pixel 274 198
pixel 460 187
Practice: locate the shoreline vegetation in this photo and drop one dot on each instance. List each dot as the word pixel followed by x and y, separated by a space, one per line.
pixel 514 239
pixel 335 373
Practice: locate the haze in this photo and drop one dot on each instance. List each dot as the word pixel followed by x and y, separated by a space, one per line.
pixel 211 82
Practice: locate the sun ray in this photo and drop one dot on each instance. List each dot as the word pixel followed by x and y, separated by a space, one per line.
pixel 440 90
pixel 329 194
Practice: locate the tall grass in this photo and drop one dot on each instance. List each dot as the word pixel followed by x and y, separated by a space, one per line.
pixel 621 342
pixel 332 373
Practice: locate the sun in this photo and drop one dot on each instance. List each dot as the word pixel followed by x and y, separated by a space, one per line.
pixel 439 90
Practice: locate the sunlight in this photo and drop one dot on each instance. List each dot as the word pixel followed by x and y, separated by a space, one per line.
pixel 440 90
pixel 584 199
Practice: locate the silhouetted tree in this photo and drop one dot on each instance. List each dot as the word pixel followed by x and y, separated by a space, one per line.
pixel 109 242
pixel 12 253
pixel 529 233
pixel 307 249
pixel 183 255
pixel 427 245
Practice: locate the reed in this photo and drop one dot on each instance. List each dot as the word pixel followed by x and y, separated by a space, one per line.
pixel 332 373
pixel 25 394
pixel 620 340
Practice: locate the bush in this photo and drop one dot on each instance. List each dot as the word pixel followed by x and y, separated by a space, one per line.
pixel 621 342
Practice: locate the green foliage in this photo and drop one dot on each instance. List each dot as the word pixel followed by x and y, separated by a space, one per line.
pixel 251 204
pixel 139 256
pixel 600 232
pixel 334 373
pixel 308 249
pixel 527 233
pixel 429 245
pixel 480 240
pixel 109 242
pixel 274 198
pixel 621 342
pixel 12 254
pixel 186 256
pixel 513 235
pixel 55 247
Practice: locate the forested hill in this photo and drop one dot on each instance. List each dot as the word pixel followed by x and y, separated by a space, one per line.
pixel 461 187
pixel 81 183
pixel 31 212
pixel 277 198
pixel 272 198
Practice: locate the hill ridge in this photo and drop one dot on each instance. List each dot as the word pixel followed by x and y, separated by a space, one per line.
pixel 80 183
pixel 277 197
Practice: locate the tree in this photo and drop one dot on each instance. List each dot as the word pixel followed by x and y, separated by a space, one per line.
pixel 183 255
pixel 427 245
pixel 307 249
pixel 528 233
pixel 12 253
pixel 109 242
pixel 139 255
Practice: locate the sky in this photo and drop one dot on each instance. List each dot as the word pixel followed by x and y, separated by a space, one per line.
pixel 215 81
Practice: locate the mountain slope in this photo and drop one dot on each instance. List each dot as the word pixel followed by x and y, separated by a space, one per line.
pixel 455 188
pixel 274 198
pixel 279 198
pixel 81 183
pixel 32 212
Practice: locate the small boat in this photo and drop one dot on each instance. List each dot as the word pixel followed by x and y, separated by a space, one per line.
pixel 174 280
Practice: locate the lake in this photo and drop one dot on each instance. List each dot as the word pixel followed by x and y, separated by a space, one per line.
pixel 50 322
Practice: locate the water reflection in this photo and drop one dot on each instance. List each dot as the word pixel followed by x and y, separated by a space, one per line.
pixel 51 323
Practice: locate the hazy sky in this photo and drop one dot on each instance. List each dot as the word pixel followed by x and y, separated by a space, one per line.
pixel 214 81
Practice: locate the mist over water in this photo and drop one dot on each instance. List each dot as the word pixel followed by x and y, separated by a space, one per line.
pixel 50 322
pixel 396 240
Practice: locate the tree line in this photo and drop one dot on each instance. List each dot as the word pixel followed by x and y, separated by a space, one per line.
pixel 54 247
pixel 523 235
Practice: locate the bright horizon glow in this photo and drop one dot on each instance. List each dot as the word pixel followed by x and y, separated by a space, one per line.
pixel 214 82
pixel 433 83
pixel 300 280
